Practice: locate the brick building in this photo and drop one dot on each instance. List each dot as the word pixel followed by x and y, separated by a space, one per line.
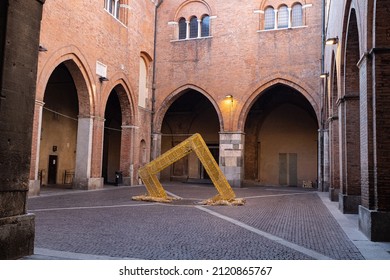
pixel 355 118
pixel 122 81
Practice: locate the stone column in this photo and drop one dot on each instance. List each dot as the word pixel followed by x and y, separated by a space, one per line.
pixel 127 154
pixel 188 30
pixel 96 181
pixel 231 154
pixel 156 146
pixel 83 153
pixel 35 183
pixel 199 28
pixel 19 41
pixel 326 174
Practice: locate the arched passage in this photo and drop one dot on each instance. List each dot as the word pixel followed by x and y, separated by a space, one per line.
pixel 58 141
pixel 190 113
pixel 118 137
pixel 281 138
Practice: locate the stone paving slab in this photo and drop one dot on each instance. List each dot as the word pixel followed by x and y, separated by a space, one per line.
pixel 275 223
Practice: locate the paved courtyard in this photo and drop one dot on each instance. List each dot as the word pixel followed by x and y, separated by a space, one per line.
pixel 275 224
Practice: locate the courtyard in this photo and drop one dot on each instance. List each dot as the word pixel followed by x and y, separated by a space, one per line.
pixel 276 223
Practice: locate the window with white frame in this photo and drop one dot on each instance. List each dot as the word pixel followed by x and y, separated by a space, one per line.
pixel 283 16
pixel 182 29
pixel 194 28
pixel 205 26
pixel 112 6
pixel 296 15
pixel 269 18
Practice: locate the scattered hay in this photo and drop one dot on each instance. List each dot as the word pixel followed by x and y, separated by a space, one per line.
pixel 223 202
pixel 149 198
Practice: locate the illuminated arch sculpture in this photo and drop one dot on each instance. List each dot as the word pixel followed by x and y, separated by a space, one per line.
pixel 196 144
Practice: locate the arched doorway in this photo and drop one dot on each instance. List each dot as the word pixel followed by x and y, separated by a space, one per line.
pixel 112 138
pixel 190 113
pixel 281 139
pixel 58 143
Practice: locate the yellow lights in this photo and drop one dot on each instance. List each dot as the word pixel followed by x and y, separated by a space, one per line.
pixel 332 41
pixel 229 99
pixel 195 143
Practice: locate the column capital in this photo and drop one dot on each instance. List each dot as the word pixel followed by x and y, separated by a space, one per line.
pixel 39 103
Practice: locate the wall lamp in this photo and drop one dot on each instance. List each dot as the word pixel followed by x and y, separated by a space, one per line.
pixel 332 41
pixel 324 75
pixel 42 48
pixel 229 96
pixel 103 79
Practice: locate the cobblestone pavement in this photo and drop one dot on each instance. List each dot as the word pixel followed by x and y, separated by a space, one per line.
pixel 275 223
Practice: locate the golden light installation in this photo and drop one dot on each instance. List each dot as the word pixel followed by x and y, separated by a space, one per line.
pixel 195 143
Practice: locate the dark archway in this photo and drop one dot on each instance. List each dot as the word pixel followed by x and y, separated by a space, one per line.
pixel 57 159
pixel 281 138
pixel 112 138
pixel 190 113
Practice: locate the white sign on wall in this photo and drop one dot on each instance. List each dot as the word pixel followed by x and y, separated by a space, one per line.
pixel 101 69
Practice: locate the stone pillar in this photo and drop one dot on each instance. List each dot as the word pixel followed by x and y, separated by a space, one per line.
pixel 19 41
pixel 320 165
pixel 127 154
pixel 325 186
pixel 83 154
pixel 231 150
pixel 96 181
pixel 35 182
pixel 156 146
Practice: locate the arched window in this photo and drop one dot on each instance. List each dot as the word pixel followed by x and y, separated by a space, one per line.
pixel 283 17
pixel 205 26
pixel 182 29
pixel 143 89
pixel 269 18
pixel 194 27
pixel 297 15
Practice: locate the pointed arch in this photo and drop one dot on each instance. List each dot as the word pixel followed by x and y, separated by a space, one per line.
pixel 80 72
pixel 159 117
pixel 291 82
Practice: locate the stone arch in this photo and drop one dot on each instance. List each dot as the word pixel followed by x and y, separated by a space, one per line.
pixel 291 82
pixel 281 138
pixel 126 98
pixel 80 72
pixel 159 117
pixel 186 9
pixel 123 142
pixel 265 3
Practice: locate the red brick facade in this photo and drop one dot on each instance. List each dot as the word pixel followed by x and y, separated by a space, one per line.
pixel 360 76
pixel 263 55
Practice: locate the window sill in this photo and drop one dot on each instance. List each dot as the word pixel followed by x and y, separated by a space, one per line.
pixel 287 28
pixel 124 25
pixel 191 39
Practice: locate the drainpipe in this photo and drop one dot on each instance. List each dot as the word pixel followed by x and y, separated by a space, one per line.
pixel 154 76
